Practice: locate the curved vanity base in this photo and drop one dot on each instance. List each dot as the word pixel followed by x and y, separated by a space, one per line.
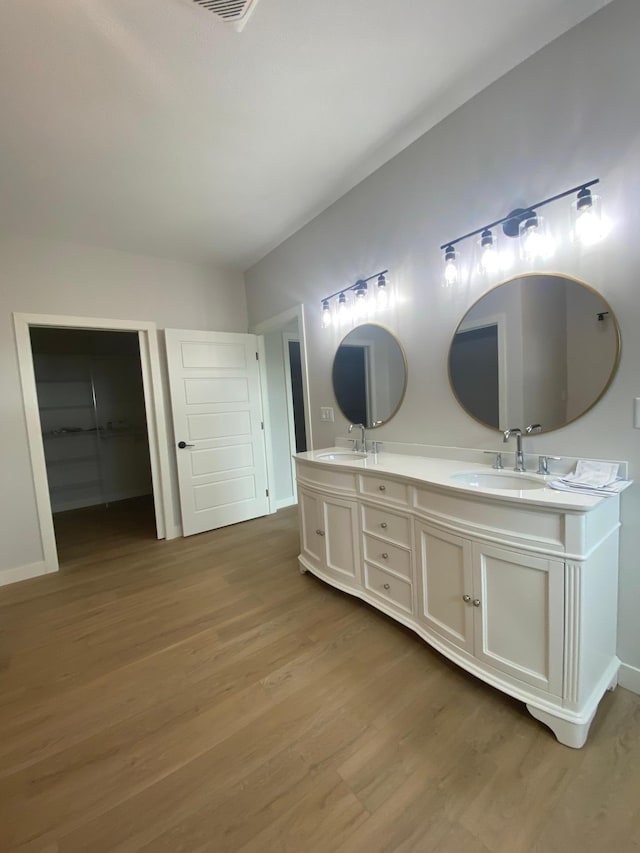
pixel 455 568
pixel 569 734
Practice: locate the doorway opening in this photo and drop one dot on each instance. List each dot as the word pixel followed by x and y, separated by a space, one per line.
pixel 474 369
pixel 166 525
pixel 285 392
pixel 95 437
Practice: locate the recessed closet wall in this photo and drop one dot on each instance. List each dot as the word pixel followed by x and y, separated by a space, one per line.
pixel 91 402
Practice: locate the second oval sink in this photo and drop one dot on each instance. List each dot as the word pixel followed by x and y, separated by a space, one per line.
pixel 337 456
pixel 496 480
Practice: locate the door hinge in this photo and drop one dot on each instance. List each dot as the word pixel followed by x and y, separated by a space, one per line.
pixel 261 424
pixel 257 357
pixel 266 491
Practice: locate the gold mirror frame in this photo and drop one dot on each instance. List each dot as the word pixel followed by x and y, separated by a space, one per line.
pixel 611 316
pixel 383 421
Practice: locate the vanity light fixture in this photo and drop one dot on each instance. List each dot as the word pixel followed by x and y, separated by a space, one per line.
pixel 363 304
pixel 530 227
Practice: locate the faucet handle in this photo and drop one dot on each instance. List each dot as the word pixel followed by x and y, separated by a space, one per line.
pixel 543 463
pixel 497 464
pixel 533 428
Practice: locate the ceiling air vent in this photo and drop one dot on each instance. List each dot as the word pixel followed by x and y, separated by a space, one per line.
pixel 234 12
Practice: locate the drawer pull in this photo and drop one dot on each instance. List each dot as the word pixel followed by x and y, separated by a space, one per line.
pixel 382 488
pixel 384 555
pixel 386 586
pixel 383 525
pixel 466 598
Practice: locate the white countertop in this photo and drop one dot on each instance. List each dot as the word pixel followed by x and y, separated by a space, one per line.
pixel 438 472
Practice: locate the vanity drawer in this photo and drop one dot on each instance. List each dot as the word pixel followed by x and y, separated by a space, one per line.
pixel 386 555
pixel 381 522
pixel 382 489
pixel 340 482
pixel 392 589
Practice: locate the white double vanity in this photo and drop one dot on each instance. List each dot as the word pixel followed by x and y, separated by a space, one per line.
pixel 513 581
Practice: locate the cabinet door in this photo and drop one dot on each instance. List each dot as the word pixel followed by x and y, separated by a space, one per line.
pixel 446 572
pixel 340 525
pixel 519 616
pixel 311 533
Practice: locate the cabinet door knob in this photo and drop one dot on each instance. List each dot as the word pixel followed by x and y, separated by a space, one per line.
pixel 386 586
pixel 382 488
pixel 466 598
pixel 385 556
pixel 383 525
pixel 476 602
pixel 320 532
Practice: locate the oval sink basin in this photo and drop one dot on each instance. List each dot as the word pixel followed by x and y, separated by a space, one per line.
pixel 341 457
pixel 497 480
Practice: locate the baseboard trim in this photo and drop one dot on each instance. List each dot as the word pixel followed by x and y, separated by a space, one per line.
pixel 290 501
pixel 629 677
pixel 23 573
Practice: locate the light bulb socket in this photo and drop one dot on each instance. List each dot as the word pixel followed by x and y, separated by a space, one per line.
pixel 584 200
pixel 361 290
pixel 449 253
pixel 342 299
pixel 382 282
pixel 531 220
pixel 486 239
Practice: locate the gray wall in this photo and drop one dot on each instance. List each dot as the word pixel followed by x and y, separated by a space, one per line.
pixel 44 277
pixel 568 114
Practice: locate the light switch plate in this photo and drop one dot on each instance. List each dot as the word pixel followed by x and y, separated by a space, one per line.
pixel 326 413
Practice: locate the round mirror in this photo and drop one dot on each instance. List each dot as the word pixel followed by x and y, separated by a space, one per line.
pixel 538 349
pixel 369 375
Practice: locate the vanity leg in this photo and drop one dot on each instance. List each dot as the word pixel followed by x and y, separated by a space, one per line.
pixel 303 569
pixel 569 734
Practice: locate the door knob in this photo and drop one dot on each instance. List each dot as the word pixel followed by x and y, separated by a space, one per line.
pixel 183 444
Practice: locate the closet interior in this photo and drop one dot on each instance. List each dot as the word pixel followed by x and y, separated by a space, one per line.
pixel 92 413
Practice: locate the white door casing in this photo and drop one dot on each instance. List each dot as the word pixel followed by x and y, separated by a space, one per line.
pixel 216 406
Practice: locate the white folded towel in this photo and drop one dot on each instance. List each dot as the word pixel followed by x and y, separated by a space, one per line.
pixel 591 478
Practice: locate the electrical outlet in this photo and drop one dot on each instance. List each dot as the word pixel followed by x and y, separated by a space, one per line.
pixel 326 413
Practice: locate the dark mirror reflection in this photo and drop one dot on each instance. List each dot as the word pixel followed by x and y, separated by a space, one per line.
pixel 369 375
pixel 536 349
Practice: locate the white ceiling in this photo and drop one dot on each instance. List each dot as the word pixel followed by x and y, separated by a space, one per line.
pixel 147 125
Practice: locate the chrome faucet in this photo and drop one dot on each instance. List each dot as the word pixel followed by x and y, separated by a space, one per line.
pixel 363 440
pixel 519 466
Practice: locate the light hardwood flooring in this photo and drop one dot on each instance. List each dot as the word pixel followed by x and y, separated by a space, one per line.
pixel 203 695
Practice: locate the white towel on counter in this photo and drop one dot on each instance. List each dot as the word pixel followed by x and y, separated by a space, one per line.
pixel 591 478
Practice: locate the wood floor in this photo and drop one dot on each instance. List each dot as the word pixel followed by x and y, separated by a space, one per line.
pixel 202 695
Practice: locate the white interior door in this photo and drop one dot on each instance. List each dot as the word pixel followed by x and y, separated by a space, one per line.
pixel 214 380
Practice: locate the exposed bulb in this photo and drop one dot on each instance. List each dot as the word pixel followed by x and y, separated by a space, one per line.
pixel 535 243
pixel 360 308
pixel 450 267
pixel 326 314
pixel 489 259
pixel 589 227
